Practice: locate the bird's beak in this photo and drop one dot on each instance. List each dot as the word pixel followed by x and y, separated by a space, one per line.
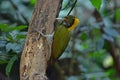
pixel 60 20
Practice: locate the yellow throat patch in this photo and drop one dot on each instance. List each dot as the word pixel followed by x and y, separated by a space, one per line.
pixel 76 21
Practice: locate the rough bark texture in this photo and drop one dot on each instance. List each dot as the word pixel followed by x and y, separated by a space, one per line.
pixel 36 52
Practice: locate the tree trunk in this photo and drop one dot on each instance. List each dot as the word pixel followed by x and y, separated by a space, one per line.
pixel 36 51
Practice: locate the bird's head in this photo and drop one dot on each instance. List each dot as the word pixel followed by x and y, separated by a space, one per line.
pixel 69 21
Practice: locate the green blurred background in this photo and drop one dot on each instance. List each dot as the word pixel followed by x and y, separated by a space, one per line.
pixel 93 52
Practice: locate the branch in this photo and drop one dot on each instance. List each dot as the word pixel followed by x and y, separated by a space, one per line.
pixel 37 51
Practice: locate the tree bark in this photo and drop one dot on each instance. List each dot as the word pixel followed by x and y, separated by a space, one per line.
pixel 36 51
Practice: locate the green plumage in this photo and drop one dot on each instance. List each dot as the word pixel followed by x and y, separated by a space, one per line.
pixel 61 36
pixel 60 41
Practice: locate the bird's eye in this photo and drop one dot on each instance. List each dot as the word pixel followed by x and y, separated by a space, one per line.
pixel 64 23
pixel 68 23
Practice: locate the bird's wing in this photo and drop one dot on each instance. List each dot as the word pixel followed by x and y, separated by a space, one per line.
pixel 60 41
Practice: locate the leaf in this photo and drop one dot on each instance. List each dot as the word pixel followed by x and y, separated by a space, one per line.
pixel 3 61
pixel 11 28
pixel 7 28
pixel 96 3
pixel 111 72
pixel 3 27
pixel 73 78
pixel 9 38
pixel 96 33
pixel 83 36
pixel 112 32
pixel 21 36
pixel 98 55
pixel 32 2
pixel 117 14
pixel 13 46
pixel 99 44
pixel 107 37
pixel 3 58
pixel 10 64
pixel 20 27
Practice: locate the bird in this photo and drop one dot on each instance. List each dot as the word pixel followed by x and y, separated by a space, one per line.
pixel 61 37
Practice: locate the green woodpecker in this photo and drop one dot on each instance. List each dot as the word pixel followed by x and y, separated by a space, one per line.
pixel 61 36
